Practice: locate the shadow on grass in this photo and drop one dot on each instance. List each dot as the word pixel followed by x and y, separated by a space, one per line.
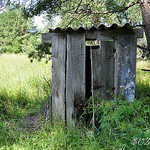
pixel 18 112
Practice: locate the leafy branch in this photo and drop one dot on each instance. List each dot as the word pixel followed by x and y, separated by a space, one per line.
pixel 3 4
pixel 120 10
pixel 106 12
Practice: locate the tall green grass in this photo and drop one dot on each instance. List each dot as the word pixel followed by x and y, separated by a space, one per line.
pixel 22 85
pixel 143 80
pixel 23 90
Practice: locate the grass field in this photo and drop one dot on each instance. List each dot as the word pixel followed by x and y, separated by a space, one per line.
pixel 143 80
pixel 22 84
pixel 23 90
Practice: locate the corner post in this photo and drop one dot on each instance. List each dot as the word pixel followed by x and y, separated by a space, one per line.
pixel 59 44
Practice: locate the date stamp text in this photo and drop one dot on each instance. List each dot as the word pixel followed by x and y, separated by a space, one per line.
pixel 141 141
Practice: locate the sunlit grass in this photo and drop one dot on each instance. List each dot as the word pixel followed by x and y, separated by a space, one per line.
pixel 143 80
pixel 51 137
pixel 22 84
pixel 23 90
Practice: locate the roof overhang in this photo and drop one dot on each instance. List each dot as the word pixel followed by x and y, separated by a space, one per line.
pixel 101 32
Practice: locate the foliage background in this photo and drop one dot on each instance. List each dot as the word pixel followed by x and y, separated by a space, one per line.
pixel 18 34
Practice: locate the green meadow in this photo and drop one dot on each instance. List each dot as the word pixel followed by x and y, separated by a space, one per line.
pixel 24 90
pixel 23 87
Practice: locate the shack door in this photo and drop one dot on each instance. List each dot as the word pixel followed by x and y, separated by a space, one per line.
pixel 102 70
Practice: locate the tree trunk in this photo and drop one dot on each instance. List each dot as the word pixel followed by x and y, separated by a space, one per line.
pixel 145 7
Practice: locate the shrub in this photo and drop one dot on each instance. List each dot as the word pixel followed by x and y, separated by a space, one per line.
pixel 121 125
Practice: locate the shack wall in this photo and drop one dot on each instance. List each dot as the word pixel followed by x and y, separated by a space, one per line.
pixel 113 68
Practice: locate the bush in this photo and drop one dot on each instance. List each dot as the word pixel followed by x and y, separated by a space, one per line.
pixel 120 125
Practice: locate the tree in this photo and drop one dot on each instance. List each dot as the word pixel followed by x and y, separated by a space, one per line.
pixel 93 12
pixel 145 6
pixel 18 34
pixel 13 30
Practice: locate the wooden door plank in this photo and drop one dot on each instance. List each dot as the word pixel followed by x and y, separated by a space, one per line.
pixel 108 48
pixel 97 72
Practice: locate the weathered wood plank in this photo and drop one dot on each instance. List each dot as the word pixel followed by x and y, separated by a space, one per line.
pixel 125 66
pixel 75 81
pixel 47 37
pixel 59 76
pixel 139 32
pixel 102 64
pixel 112 34
pixel 97 72
pixel 108 48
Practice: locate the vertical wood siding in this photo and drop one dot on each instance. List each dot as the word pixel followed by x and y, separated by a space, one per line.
pixel 125 66
pixel 75 81
pixel 102 64
pixel 59 76
pixel 97 72
pixel 108 48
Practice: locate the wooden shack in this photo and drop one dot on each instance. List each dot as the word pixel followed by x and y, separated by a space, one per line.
pixel 80 70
